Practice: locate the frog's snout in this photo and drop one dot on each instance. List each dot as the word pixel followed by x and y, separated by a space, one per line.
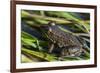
pixel 46 28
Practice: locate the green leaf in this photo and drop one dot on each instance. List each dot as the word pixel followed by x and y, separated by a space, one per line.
pixel 25 59
pixel 41 55
pixel 28 36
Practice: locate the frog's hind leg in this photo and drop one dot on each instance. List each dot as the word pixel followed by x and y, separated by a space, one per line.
pixel 75 51
pixel 64 52
pixel 70 52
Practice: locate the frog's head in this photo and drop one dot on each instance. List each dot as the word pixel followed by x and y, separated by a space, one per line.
pixel 48 27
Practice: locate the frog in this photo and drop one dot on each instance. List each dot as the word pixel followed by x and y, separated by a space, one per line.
pixel 68 43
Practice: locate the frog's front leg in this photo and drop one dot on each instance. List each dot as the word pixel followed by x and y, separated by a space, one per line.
pixel 51 47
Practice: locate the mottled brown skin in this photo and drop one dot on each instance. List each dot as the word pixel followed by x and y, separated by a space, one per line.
pixel 69 44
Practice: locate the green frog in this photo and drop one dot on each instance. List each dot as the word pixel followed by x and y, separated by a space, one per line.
pixel 68 43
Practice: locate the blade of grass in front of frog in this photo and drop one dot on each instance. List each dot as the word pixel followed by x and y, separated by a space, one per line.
pixel 31 39
pixel 32 45
pixel 28 39
pixel 28 43
pixel 42 55
pixel 38 46
pixel 32 57
pixel 31 53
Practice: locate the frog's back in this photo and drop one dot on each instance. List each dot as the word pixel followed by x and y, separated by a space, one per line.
pixel 61 38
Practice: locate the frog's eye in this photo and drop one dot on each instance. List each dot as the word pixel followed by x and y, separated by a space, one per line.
pixel 51 23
